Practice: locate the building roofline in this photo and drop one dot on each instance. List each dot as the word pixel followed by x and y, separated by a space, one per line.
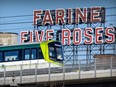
pixel 8 33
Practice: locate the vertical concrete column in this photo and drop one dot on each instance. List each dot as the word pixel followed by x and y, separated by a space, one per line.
pixel 21 68
pixel 63 74
pixel 79 69
pixel 110 66
pixel 63 70
pixel 95 68
pixel 4 74
pixel 36 72
pixel 49 70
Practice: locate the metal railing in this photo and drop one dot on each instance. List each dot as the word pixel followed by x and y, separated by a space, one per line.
pixel 37 72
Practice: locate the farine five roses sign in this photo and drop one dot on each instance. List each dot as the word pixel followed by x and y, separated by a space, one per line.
pixel 71 16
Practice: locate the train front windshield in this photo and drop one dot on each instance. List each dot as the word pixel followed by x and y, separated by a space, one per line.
pixel 55 51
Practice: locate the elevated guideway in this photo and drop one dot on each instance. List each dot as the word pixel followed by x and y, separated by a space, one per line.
pixel 53 73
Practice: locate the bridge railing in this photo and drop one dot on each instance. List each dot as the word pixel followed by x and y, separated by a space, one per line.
pixel 52 72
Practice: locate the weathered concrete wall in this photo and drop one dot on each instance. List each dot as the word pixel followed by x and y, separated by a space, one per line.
pixel 8 38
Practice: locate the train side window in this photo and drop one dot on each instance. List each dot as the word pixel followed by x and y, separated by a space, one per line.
pixel 27 54
pixel 33 53
pixel 11 55
pixel 1 56
pixel 40 54
pixel 52 52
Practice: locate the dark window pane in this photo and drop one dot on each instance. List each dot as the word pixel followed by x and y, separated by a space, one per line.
pixel 11 55
pixel 33 55
pixel 27 54
pixel 55 51
pixel 1 57
pixel 59 53
pixel 52 52
pixel 40 54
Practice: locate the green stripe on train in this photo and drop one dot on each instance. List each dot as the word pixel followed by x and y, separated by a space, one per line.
pixel 14 47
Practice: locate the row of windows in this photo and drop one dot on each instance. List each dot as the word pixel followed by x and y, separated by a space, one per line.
pixel 26 54
pixel 33 54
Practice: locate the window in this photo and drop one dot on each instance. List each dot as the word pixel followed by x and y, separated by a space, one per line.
pixel 27 54
pixel 11 55
pixel 33 54
pixel 55 51
pixel 1 56
pixel 52 52
pixel 40 54
pixel 59 53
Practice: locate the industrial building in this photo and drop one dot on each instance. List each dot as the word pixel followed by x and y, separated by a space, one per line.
pixel 8 38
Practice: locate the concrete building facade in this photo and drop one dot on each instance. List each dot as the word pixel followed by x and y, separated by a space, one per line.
pixel 8 38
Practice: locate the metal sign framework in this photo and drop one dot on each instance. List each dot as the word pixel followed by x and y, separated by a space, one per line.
pixel 75 52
